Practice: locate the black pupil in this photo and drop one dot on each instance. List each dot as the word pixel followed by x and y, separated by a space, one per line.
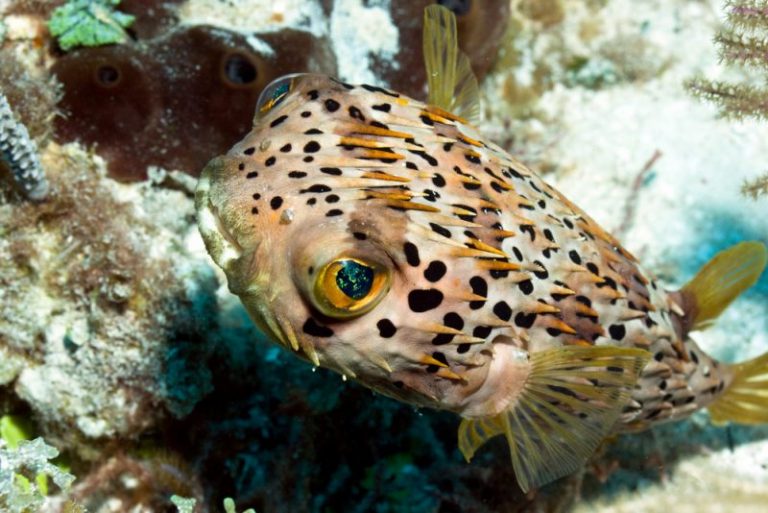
pixel 240 70
pixel 354 279
pixel 458 7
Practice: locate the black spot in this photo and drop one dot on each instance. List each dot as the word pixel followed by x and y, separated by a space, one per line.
pixel 379 124
pixel 286 148
pixel 383 107
pixel 318 187
pixel 435 271
pixel 658 356
pixel 255 210
pixel 306 114
pixel 463 348
pixel 335 171
pixel 332 105
pixel 252 174
pixel 496 187
pixel 426 120
pixel 663 384
pixel 432 161
pixel 518 254
pixel 311 201
pixel 376 89
pixel 411 254
pixel 431 195
pixel 482 331
pixel 313 131
pixel 574 256
pixel 386 328
pixel 502 310
pixel 438 180
pixel 355 113
pixel 440 229
pixel 543 274
pixel 422 300
pixel 567 222
pixel 276 202
pixel 440 357
pixel 617 331
pixel 333 212
pixel 359 235
pixel 453 320
pixel 312 147
pixel 526 286
pixel 472 158
pixel 331 198
pixel 593 268
pixel 553 332
pixel 526 228
pixel 311 327
pixel 250 151
pixel 270 161
pixel 584 300
pixel 447 146
pixel 241 166
pixel 524 320
pixel 398 384
pixel 278 121
pixel 313 94
pixel 411 165
pixel 256 196
pixel 479 287
pixel 548 235
pixel 694 357
pixel 308 159
pixel 297 174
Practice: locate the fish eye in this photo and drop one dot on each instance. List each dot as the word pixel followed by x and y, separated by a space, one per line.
pixel 275 93
pixel 347 287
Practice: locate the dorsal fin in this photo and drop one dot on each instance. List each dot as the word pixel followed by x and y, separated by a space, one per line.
pixel 452 84
pixel 722 279
pixel 571 401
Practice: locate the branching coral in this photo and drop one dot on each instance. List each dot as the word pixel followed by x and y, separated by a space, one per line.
pixel 745 42
pixel 19 152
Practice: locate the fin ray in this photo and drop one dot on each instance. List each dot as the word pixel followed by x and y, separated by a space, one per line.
pixel 722 279
pixel 745 401
pixel 560 417
pixel 451 82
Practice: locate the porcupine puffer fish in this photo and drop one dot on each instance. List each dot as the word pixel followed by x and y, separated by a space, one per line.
pixel 385 239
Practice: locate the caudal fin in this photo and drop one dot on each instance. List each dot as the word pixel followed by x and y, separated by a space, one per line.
pixel 745 401
pixel 722 279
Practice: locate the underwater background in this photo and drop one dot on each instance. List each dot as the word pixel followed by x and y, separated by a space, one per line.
pixel 121 347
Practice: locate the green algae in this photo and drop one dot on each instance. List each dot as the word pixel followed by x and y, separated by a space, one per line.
pixel 89 23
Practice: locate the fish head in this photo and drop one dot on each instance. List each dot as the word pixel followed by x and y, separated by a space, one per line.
pixel 330 237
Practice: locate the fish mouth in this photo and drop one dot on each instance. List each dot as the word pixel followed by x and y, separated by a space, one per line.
pixel 220 243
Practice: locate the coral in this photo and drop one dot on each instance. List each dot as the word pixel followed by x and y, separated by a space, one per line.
pixel 19 152
pixel 139 482
pixel 179 98
pixel 97 286
pixel 742 42
pixel 18 490
pixel 755 188
pixel 89 23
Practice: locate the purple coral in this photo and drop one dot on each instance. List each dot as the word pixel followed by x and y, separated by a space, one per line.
pixel 19 152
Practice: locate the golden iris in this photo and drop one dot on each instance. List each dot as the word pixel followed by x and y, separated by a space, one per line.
pixel 348 287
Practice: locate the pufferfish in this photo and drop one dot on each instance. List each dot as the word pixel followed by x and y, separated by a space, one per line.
pixel 384 238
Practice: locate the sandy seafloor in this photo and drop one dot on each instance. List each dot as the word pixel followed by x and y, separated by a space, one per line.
pixel 592 130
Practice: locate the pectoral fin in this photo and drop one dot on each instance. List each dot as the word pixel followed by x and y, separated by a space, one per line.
pixel 570 402
pixel 452 84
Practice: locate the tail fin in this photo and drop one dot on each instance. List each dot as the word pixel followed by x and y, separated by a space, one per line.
pixel 745 401
pixel 722 279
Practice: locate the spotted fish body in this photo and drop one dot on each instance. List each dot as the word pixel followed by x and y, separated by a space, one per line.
pixel 494 286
